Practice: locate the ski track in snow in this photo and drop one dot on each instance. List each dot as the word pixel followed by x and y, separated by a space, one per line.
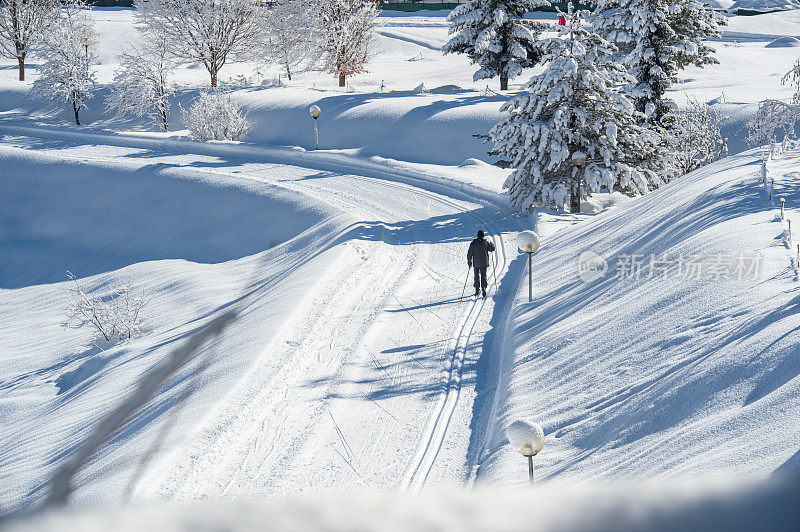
pixel 339 387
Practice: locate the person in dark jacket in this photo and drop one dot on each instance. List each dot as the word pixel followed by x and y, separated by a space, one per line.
pixel 478 256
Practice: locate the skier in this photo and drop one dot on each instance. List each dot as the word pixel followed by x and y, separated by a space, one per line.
pixel 478 255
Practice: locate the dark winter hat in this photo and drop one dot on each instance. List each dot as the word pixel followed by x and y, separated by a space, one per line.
pixel 480 233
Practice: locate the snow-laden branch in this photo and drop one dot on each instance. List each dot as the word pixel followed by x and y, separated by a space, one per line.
pixel 215 116
pixel 116 315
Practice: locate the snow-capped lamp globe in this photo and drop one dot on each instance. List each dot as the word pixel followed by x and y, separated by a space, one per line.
pixel 527 438
pixel 528 242
pixel 579 158
pixel 315 111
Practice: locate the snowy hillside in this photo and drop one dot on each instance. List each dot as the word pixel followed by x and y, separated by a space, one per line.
pixel 659 369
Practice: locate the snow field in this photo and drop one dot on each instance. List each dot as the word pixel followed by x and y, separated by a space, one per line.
pixel 375 340
pixel 354 365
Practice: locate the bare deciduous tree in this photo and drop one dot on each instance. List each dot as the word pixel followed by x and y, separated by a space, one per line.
pixel 22 26
pixel 775 115
pixel 349 30
pixel 695 136
pixel 215 116
pixel 204 32
pixel 68 50
pixel 292 31
pixel 141 86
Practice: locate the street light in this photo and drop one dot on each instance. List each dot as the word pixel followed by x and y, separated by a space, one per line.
pixel 527 439
pixel 315 111
pixel 579 159
pixel 528 242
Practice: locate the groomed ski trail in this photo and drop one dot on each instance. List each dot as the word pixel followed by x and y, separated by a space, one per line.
pixel 239 420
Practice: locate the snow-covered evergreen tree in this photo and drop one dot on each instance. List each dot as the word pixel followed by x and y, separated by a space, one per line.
pixel 349 31
pixel 23 23
pixel 575 106
pixel 204 32
pixel 493 34
pixel 68 52
pixel 141 83
pixel 292 31
pixel 656 39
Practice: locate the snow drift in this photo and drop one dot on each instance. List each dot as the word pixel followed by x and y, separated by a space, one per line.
pixel 661 376
pixel 60 215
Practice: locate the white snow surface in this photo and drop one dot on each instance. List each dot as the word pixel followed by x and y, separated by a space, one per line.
pixel 354 363
pixel 764 5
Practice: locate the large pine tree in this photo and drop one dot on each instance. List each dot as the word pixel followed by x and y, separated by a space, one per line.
pixel 656 39
pixel 575 106
pixel 493 34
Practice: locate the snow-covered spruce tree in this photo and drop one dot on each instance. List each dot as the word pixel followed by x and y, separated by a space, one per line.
pixel 493 34
pixel 141 83
pixel 656 39
pixel 348 32
pixel 68 53
pixel 215 116
pixel 23 23
pixel 575 106
pixel 204 32
pixel 291 30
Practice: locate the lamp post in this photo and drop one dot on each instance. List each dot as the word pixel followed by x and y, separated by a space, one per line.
pixel 527 438
pixel 528 242
pixel 315 111
pixel 578 159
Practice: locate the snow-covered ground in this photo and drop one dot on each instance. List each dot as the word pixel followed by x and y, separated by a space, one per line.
pixel 354 363
pixel 653 507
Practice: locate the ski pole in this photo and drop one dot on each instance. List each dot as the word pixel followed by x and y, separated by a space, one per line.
pixel 494 272
pixel 465 284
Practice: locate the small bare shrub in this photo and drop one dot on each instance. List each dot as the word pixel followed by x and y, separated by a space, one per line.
pixel 116 315
pixel 215 116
